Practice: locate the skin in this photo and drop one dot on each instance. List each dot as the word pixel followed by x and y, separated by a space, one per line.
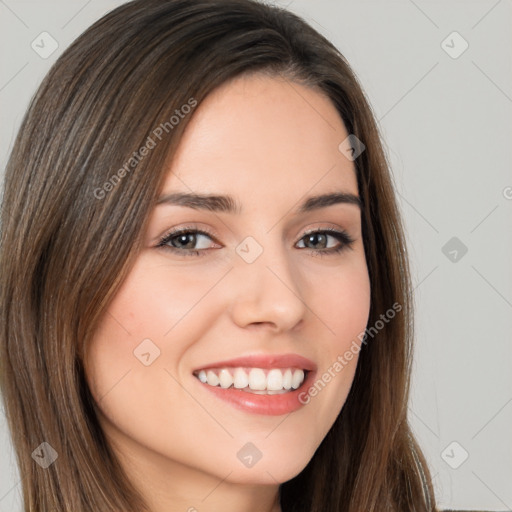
pixel 270 144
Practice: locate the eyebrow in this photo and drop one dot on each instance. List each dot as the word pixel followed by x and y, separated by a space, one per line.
pixel 227 204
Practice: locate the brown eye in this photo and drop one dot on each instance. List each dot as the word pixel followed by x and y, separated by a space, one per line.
pixel 319 241
pixel 191 242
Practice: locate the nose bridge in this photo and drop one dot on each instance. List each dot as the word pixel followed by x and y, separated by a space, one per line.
pixel 266 287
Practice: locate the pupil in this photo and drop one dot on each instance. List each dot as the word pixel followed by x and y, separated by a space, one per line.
pixel 182 239
pixel 314 238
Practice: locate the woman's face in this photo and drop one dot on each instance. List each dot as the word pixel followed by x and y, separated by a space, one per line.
pixel 253 302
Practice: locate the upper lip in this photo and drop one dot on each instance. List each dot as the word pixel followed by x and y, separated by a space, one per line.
pixel 264 361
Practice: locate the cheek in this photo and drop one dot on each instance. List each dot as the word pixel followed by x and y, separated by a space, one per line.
pixel 156 316
pixel 343 308
pixel 347 309
pixel 154 303
pixel 155 299
pixel 342 303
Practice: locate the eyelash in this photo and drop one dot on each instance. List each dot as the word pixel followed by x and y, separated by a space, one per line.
pixel 342 236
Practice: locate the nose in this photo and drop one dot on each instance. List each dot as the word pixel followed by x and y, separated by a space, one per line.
pixel 267 293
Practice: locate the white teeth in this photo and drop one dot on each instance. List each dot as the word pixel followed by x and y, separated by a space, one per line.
pixel 287 379
pixel 274 380
pixel 297 379
pixel 256 380
pixel 212 378
pixel 240 379
pixel 225 378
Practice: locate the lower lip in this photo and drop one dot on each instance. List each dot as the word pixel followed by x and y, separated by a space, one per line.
pixel 271 405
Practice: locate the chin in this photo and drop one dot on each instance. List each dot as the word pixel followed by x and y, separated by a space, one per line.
pixel 277 469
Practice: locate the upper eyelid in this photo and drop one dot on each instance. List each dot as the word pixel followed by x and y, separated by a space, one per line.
pixel 210 232
pixel 185 230
pixel 190 229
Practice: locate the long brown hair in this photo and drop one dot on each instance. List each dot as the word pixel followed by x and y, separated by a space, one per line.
pixel 71 228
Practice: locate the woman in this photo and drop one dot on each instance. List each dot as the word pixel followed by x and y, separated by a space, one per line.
pixel 205 300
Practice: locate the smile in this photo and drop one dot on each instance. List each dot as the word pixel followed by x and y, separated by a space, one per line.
pixel 254 380
pixel 258 384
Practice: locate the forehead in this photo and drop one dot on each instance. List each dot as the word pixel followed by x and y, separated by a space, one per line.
pixel 262 136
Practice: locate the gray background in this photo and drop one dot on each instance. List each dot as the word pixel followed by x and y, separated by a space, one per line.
pixel 446 123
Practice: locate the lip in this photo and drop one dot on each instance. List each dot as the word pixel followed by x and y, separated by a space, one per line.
pixel 271 405
pixel 264 361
